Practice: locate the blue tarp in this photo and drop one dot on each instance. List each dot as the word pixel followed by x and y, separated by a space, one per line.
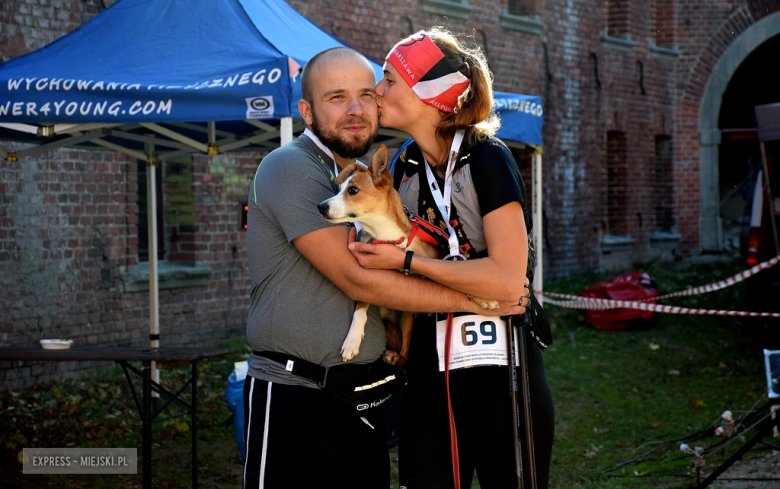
pixel 186 61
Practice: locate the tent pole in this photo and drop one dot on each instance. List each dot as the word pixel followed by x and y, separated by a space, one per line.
pixel 286 130
pixel 212 128
pixel 538 233
pixel 213 149
pixel 151 219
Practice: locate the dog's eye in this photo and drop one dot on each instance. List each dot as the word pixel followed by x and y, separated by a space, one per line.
pixel 352 190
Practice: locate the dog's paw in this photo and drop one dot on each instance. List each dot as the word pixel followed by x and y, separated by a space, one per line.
pixel 350 348
pixel 390 357
pixel 485 304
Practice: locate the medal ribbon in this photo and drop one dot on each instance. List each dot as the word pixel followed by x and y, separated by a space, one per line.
pixel 443 201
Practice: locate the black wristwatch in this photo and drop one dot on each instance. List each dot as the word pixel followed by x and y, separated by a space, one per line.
pixel 408 262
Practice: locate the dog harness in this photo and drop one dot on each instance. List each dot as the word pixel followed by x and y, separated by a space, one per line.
pixel 427 232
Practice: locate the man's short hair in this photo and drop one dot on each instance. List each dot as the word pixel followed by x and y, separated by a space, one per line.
pixel 307 78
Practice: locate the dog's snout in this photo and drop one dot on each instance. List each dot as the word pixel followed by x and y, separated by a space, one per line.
pixel 323 207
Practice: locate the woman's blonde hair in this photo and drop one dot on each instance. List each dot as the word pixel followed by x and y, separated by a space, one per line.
pixel 474 111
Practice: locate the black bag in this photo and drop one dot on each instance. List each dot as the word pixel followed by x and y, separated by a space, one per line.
pixel 360 387
pixel 535 316
pixel 539 325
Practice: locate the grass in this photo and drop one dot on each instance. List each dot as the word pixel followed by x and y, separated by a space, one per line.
pixel 615 398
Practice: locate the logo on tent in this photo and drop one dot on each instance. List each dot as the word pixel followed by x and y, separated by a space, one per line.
pixel 260 107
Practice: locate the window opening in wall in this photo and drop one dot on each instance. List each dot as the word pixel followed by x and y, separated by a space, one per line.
pixel 617 18
pixel 663 184
pixel 452 8
pixel 520 15
pixel 617 184
pixel 143 226
pixel 521 7
pixel 664 24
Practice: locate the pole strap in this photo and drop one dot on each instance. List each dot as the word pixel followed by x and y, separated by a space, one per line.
pixel 453 431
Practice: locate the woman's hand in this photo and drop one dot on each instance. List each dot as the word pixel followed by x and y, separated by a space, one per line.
pixel 381 256
pixel 510 308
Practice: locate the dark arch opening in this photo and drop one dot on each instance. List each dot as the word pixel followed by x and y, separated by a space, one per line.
pixel 754 83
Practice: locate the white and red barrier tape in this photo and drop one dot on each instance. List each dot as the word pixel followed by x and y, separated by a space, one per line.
pixel 580 302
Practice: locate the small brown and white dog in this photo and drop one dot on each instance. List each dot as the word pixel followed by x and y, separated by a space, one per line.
pixel 367 196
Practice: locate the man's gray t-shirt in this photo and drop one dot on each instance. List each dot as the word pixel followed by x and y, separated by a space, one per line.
pixel 294 308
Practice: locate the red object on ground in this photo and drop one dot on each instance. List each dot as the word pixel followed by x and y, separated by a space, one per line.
pixel 628 287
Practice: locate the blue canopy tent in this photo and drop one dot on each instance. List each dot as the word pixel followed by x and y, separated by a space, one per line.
pixel 156 80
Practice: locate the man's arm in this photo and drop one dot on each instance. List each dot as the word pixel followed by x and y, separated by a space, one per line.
pixel 326 249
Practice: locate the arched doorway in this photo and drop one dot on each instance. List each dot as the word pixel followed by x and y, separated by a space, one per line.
pixel 710 118
pixel 754 83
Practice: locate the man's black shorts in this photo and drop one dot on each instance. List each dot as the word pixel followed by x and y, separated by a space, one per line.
pixel 302 438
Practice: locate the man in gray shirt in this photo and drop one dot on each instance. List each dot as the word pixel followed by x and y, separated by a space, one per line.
pixel 304 286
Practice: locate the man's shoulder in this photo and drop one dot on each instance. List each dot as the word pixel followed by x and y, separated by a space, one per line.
pixel 300 148
pixel 296 157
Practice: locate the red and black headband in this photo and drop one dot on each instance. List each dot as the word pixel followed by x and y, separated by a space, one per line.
pixel 428 72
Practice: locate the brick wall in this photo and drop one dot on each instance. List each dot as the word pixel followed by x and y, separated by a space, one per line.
pixel 588 90
pixel 69 219
pixel 69 222
pixel 28 25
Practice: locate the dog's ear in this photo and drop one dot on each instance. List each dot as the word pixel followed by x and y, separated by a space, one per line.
pixel 347 171
pixel 378 167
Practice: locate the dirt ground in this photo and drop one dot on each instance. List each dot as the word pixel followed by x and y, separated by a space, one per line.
pixel 757 464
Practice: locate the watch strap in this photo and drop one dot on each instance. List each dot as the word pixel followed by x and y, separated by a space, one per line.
pixel 408 262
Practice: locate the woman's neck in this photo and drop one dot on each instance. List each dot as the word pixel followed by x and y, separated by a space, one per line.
pixel 434 149
pixel 422 128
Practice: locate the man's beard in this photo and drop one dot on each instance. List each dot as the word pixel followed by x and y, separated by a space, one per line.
pixel 338 144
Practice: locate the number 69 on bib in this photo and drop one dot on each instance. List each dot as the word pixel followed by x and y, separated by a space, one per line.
pixel 476 341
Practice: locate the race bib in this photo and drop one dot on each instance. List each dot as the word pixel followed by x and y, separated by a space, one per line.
pixel 476 341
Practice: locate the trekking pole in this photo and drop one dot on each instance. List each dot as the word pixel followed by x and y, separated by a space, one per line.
pixel 529 431
pixel 510 340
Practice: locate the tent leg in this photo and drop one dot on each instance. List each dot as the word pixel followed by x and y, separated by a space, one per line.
pixel 538 233
pixel 286 130
pixel 154 293
pixel 212 128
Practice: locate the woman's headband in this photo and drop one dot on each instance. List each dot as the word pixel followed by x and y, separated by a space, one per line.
pixel 428 72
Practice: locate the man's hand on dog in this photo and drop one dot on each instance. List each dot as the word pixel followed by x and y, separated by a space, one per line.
pixel 391 257
pixel 381 256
